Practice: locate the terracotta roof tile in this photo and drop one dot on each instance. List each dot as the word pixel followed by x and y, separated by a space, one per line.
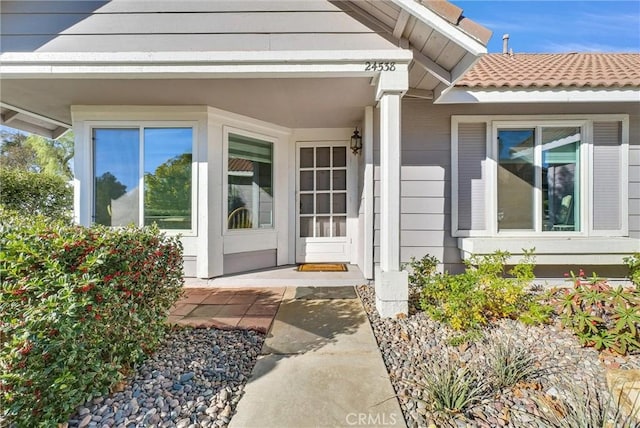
pixel 581 70
pixel 448 11
pixel 454 15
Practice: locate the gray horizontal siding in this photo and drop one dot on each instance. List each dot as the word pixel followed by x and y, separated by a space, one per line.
pixel 425 185
pixel 438 251
pixel 192 42
pixel 424 238
pixel 133 6
pixel 181 26
pixel 426 159
pixel 420 222
pixel 425 206
pixel 180 23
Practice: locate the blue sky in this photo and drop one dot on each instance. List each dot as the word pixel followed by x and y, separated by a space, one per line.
pixel 559 26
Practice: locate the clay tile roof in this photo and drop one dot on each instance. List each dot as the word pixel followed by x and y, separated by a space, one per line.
pixel 454 15
pixel 577 70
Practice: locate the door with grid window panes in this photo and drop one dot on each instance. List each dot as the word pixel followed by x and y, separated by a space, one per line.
pixel 322 195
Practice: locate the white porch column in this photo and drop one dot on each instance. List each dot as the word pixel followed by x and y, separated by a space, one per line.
pixel 391 284
pixel 368 192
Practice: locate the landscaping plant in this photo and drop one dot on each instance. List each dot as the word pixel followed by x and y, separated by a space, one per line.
pixel 481 294
pixel 449 389
pixel 78 308
pixel 601 315
pixel 633 263
pixel 581 406
pixel 509 362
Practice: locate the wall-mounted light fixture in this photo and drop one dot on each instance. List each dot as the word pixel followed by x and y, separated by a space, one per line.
pixel 356 142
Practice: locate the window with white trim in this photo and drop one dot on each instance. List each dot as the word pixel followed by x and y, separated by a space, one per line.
pixel 538 180
pixel 249 182
pixel 143 175
pixel 540 175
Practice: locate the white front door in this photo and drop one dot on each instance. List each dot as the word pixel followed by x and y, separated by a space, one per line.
pixel 323 202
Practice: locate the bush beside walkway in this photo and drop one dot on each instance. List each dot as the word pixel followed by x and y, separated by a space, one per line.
pixel 78 308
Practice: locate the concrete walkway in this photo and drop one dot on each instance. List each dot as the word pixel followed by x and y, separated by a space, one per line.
pixel 320 367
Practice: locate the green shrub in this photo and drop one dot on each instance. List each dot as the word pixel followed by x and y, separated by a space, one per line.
pixel 601 315
pixel 421 270
pixel 481 294
pixel 78 308
pixel 35 193
pixel 633 263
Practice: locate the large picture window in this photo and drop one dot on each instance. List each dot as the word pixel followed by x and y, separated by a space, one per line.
pixel 250 183
pixel 142 176
pixel 539 178
pixel 549 176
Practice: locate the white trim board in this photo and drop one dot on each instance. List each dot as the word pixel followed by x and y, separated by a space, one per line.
pixel 116 65
pixel 476 96
pixel 555 250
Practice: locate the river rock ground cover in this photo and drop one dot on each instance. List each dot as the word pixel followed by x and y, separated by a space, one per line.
pixel 195 379
pixel 412 345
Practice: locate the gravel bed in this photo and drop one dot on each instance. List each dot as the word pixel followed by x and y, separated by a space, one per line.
pixel 195 379
pixel 408 343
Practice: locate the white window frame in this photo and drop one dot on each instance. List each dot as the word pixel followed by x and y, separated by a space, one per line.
pixel 585 122
pixel 497 126
pixel 225 179
pixel 141 125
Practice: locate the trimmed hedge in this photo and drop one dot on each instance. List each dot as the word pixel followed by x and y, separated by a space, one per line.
pixel 35 193
pixel 78 308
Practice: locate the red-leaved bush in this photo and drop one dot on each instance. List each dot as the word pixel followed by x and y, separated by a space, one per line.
pixel 78 308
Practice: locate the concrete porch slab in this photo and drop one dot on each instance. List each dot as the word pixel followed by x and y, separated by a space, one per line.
pixel 283 276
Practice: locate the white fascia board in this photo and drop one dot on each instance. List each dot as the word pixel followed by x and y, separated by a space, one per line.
pixel 442 26
pixel 197 64
pixel 475 96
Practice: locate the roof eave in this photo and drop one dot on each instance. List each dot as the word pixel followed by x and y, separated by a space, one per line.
pixel 465 95
pixel 24 120
pixel 438 23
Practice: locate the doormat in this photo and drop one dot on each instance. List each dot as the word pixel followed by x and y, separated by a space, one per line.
pixel 322 267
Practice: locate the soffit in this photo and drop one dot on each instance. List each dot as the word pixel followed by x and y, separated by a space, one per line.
pixel 292 103
pixel 436 55
pixel 31 122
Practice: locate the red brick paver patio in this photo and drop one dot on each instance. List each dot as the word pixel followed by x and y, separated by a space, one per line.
pixel 228 308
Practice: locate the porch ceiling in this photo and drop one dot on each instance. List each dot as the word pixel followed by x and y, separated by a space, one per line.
pixel 293 103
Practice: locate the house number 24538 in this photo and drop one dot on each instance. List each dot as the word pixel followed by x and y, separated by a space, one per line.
pixel 379 66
